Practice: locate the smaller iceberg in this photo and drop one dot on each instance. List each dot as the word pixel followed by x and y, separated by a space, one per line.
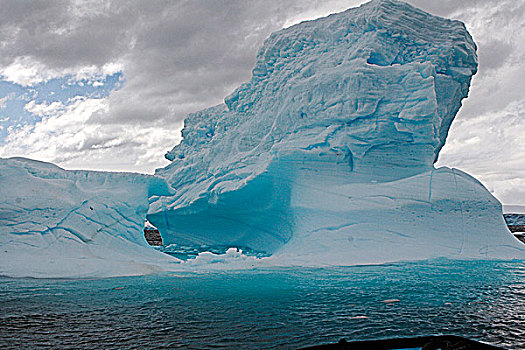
pixel 58 223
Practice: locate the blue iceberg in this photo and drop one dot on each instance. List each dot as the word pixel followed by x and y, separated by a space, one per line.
pixel 326 155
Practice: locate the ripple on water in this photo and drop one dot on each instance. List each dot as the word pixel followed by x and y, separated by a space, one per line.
pixel 268 308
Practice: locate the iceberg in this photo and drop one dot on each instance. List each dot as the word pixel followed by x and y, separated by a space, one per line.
pixel 326 156
pixel 58 223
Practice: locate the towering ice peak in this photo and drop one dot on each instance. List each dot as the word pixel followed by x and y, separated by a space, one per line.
pixel 375 86
pixel 328 150
pixel 350 48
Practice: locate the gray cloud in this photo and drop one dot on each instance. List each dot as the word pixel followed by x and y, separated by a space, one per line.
pixel 176 55
pixel 494 54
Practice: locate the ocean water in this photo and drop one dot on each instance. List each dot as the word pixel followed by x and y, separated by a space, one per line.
pixel 267 308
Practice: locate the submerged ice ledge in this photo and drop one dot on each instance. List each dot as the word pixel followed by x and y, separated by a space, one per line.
pixel 325 157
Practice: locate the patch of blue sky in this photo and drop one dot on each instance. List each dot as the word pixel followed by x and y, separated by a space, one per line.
pixel 15 97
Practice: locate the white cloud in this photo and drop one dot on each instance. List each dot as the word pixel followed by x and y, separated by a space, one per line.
pixel 44 109
pixel 487 138
pixel 61 133
pixel 27 71
pixel 66 135
pixel 24 72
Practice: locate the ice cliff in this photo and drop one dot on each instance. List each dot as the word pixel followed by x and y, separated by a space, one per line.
pixel 326 155
pixel 58 223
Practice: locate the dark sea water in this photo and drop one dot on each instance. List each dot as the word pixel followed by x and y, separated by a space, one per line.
pixel 267 308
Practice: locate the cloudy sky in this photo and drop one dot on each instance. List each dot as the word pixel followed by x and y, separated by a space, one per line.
pixel 106 84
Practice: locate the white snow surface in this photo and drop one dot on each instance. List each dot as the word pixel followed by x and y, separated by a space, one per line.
pixel 440 213
pixel 58 223
pixel 326 155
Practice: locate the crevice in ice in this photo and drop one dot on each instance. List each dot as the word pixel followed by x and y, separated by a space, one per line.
pixel 430 185
pixel 399 233
pixel 335 228
pixel 462 214
pixel 376 59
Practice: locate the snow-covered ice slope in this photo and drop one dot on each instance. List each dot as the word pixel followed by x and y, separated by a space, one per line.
pixel 439 213
pixel 326 155
pixel 58 223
